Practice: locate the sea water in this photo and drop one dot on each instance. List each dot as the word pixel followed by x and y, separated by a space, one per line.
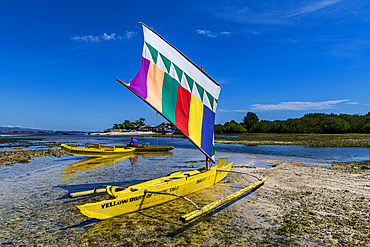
pixel 35 209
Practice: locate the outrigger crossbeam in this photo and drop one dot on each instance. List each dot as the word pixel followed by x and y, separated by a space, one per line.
pixel 171 194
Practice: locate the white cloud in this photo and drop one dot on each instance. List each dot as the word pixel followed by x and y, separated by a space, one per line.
pixel 111 37
pixel 225 110
pixel 225 33
pixel 352 103
pixel 130 34
pixel 279 13
pixel 104 37
pixel 86 38
pixel 213 34
pixel 297 105
pixel 315 6
pixel 18 126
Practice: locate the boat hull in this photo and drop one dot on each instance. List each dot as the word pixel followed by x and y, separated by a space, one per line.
pixel 136 198
pixel 95 152
pixel 149 149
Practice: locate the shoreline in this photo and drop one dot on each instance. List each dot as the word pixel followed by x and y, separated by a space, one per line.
pixel 128 133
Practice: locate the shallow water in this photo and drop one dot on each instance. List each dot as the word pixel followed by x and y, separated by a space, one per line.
pixel 35 209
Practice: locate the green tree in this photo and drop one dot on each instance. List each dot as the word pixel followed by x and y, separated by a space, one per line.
pixel 263 126
pixel 250 120
pixel 232 127
pixel 334 124
pixel 128 125
pixel 219 128
pixel 139 123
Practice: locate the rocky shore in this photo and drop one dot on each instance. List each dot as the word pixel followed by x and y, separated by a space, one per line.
pixel 310 205
pixel 24 156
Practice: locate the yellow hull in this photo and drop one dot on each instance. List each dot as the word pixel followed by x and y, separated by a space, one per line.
pixel 135 198
pixel 96 150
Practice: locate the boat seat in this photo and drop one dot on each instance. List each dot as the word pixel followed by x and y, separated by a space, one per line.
pixel 221 162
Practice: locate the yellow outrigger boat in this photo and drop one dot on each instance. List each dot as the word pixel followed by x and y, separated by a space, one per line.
pixel 187 97
pixel 153 192
pixel 96 150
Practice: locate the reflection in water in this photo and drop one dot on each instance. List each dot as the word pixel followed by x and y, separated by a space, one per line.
pixel 133 161
pixel 90 165
pixel 87 167
pixel 155 155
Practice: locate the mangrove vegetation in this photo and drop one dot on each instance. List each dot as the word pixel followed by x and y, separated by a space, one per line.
pixel 319 123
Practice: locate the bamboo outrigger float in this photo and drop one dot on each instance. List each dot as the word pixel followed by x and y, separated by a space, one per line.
pixel 187 97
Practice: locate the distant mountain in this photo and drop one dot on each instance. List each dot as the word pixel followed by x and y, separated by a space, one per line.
pixel 20 129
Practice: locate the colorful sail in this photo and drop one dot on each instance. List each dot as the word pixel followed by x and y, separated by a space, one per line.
pixel 178 89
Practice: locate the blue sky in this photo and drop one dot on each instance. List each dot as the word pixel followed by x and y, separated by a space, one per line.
pixel 280 59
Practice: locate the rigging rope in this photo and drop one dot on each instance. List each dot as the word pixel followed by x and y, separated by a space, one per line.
pixel 159 171
pixel 171 194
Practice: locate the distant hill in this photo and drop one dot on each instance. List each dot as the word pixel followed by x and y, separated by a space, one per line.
pixel 20 129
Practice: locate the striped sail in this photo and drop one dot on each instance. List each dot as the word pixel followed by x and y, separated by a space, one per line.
pixel 178 89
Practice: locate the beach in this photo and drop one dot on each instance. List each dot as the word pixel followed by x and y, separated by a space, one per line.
pixel 310 205
pixel 298 205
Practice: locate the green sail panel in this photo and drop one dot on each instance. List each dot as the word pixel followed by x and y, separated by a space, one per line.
pixel 169 97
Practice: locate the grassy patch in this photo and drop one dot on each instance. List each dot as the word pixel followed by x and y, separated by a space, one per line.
pixel 241 166
pixel 363 165
pixel 292 224
pixel 26 143
pixel 312 140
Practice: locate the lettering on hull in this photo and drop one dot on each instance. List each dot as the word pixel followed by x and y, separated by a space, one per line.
pixel 124 201
pixel 201 180
pixel 174 188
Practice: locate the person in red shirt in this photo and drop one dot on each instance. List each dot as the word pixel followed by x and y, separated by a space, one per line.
pixel 133 142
